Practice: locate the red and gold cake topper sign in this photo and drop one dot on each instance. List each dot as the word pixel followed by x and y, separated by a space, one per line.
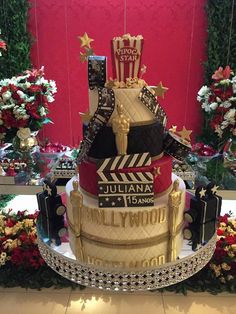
pixel 127 52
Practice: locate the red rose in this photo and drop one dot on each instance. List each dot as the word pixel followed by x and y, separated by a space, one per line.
pixel 4 89
pixel 32 110
pixel 224 218
pixel 35 88
pixel 230 240
pixel 3 45
pixel 220 232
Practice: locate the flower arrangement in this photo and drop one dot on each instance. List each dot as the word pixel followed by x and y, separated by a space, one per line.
pixel 24 103
pixel 223 262
pixel 18 240
pixel 3 45
pixel 219 104
pixel 20 257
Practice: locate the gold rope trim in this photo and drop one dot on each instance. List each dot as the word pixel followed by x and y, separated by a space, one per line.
pixel 160 238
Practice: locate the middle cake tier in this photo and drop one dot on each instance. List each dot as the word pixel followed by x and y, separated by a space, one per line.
pixel 160 167
pixel 141 138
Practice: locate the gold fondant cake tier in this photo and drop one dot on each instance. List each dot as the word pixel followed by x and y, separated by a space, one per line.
pixel 134 109
pixel 134 225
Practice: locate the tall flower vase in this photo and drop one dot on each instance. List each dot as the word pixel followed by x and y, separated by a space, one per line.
pixel 229 154
pixel 23 146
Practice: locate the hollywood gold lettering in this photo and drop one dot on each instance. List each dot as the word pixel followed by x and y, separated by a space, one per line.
pixel 162 216
pixel 161 259
pixel 123 218
pixel 134 219
pixel 113 220
pixel 145 222
pixel 147 263
pixel 153 216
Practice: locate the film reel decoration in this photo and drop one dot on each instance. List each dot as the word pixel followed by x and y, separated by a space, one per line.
pixel 97 71
pixel 150 101
pixel 106 105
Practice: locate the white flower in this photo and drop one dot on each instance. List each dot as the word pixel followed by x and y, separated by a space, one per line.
pixel 21 94
pixel 226 104
pixel 53 86
pixel 6 95
pixel 218 99
pixel 230 115
pixel 206 107
pixel 213 106
pixel 23 133
pixel 42 111
pixel 49 98
pixel 203 91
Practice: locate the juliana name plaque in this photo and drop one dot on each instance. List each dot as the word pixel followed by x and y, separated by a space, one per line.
pixel 118 189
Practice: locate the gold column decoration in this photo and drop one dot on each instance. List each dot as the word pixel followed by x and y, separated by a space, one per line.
pixel 174 203
pixel 120 127
pixel 76 200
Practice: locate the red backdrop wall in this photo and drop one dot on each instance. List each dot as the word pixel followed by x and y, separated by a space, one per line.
pixel 174 50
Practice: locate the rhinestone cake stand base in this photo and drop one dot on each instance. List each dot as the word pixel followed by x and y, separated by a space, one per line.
pixel 116 280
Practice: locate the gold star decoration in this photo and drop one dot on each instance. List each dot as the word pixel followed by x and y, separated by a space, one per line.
pixel 214 189
pixel 173 129
pixel 160 90
pixel 185 134
pixel 85 40
pixel 202 193
pixel 156 172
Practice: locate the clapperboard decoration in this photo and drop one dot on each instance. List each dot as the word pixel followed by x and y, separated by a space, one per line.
pixel 150 101
pixel 121 189
pixel 97 71
pixel 202 215
pixel 105 108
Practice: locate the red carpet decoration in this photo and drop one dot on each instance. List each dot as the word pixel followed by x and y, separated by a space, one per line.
pixel 22 265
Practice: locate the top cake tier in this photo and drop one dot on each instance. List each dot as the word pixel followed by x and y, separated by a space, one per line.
pixel 126 53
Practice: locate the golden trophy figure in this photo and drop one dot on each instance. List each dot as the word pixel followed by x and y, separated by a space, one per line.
pixel 120 127
pixel 174 203
pixel 76 200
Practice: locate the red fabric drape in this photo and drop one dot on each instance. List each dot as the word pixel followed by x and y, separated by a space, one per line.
pixel 174 50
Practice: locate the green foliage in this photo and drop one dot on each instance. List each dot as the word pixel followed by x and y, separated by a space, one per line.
pixel 13 24
pixel 221 51
pixel 4 199
pixel 221 36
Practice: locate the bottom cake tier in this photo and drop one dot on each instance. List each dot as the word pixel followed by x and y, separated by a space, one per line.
pixel 161 223
pixel 121 257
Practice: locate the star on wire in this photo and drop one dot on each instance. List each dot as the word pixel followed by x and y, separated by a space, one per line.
pixel 85 40
pixel 214 189
pixel 160 90
pixel 173 129
pixel 202 193
pixel 185 134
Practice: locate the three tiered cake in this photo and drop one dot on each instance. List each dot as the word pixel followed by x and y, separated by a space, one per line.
pixel 125 193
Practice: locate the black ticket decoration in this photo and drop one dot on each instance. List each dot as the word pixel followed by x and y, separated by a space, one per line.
pixel 125 189
pixel 97 71
pixel 106 106
pixel 202 215
pixel 150 101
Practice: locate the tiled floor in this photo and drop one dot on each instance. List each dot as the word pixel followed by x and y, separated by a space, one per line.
pixel 89 301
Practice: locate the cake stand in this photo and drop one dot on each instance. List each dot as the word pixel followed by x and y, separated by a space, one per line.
pixel 62 260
